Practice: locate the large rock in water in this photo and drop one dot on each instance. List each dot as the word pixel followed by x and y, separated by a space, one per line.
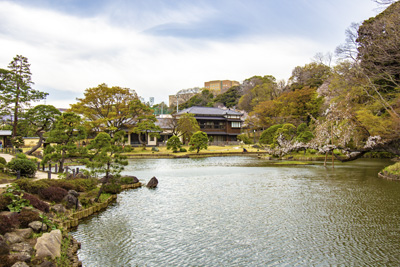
pixel 152 183
pixel 49 245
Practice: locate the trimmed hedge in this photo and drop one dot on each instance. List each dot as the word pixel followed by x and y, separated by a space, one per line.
pixel 8 223
pixel 25 166
pixel 32 187
pixel 53 193
pixel 25 217
pixel 36 202
pixel 4 202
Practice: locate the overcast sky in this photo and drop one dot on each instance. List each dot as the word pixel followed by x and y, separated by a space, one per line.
pixel 158 47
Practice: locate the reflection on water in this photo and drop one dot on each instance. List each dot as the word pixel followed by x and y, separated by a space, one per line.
pixel 241 211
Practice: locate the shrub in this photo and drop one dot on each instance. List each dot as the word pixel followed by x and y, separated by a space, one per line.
pixel 3 161
pixel 244 138
pixel 182 149
pixel 26 216
pixel 2 166
pixel 174 143
pixel 53 193
pixel 65 184
pixel 36 202
pixel 4 202
pixel 30 186
pixel 112 188
pixel 267 136
pixel 82 185
pixel 128 149
pixel 8 223
pixel 21 156
pixel 127 180
pixel 25 166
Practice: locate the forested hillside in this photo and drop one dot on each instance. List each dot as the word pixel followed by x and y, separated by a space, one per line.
pixel 342 105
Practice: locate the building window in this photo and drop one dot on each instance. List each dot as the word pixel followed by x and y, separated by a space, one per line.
pixel 235 124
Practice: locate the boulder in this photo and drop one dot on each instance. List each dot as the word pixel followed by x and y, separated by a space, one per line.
pixel 71 200
pixel 20 257
pixel 13 237
pixel 58 208
pixel 20 264
pixel 49 245
pixel 38 226
pixel 22 247
pixel 24 233
pixel 4 247
pixel 47 264
pixel 152 183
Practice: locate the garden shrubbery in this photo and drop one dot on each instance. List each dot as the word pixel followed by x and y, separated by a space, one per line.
pixel 112 188
pixel 26 216
pixel 36 202
pixel 4 202
pixel 8 223
pixel 53 193
pixel 32 187
pixel 26 167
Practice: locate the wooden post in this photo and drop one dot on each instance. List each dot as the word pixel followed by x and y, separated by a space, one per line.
pixel 77 170
pixel 49 173
pixel 326 156
pixel 18 174
pixel 56 168
pixel 73 172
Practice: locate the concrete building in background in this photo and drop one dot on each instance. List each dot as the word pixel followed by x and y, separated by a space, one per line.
pixel 182 96
pixel 219 87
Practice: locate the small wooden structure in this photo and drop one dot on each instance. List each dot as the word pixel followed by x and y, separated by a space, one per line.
pixel 5 138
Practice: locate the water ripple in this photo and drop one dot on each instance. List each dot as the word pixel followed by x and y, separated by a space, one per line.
pixel 238 212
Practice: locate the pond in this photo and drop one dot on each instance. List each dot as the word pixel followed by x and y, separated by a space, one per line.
pixel 243 211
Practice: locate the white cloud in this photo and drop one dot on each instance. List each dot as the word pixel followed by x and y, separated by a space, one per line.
pixel 69 53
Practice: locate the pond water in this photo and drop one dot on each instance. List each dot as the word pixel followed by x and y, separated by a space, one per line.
pixel 243 211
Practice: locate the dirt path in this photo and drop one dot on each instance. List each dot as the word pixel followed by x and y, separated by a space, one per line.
pixel 39 174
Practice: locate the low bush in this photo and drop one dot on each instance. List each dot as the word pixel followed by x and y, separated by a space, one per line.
pixel 53 193
pixel 4 202
pixel 128 180
pixel 3 161
pixel 2 167
pixel 8 223
pixel 112 188
pixel 66 184
pixel 128 149
pixel 32 187
pixel 182 149
pixel 26 216
pixel 25 166
pixel 82 185
pixel 36 202
pixel 244 138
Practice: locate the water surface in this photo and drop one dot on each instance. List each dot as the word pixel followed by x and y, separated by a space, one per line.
pixel 242 211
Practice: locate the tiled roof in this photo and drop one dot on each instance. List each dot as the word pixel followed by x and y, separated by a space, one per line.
pixel 209 111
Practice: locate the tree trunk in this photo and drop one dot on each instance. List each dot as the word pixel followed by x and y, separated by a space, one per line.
pixel 14 133
pixel 39 143
pixel 105 181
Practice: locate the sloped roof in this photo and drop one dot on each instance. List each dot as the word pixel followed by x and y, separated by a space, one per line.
pixel 209 111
